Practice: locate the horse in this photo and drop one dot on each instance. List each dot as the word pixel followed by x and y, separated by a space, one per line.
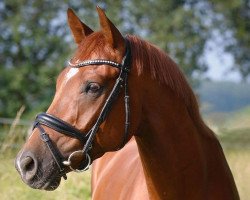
pixel 115 88
pixel 128 182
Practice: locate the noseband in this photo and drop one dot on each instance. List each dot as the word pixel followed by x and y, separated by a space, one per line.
pixel 86 139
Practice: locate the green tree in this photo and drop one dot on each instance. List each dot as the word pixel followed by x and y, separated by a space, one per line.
pixel 232 18
pixel 177 27
pixel 32 40
pixel 35 40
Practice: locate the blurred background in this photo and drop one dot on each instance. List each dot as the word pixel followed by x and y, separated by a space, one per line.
pixel 209 39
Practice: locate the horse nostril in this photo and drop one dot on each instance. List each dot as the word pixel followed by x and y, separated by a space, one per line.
pixel 27 164
pixel 29 167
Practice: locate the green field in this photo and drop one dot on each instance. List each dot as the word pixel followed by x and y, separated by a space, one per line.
pixel 11 187
pixel 233 131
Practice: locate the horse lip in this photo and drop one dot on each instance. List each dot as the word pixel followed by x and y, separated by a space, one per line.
pixel 51 185
pixel 47 185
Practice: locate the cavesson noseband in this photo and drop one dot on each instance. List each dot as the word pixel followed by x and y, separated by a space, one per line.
pixel 65 128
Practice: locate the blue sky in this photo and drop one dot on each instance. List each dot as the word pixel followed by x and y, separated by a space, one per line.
pixel 220 64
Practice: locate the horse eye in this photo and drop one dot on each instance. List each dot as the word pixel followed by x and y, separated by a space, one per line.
pixel 93 88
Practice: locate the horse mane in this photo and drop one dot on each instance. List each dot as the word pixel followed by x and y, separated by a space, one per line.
pixel 161 67
pixel 166 71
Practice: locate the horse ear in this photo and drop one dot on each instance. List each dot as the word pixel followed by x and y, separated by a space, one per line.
pixel 78 28
pixel 111 33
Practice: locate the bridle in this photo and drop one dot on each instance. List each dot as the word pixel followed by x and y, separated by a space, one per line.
pixel 65 128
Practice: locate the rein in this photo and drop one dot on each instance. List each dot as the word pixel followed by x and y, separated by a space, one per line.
pixel 65 128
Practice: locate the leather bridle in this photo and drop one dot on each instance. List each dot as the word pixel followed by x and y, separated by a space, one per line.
pixel 65 128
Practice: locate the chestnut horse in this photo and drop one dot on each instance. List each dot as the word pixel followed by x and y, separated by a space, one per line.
pixel 119 175
pixel 115 88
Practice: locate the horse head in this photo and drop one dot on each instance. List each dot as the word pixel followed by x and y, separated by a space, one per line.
pixel 90 112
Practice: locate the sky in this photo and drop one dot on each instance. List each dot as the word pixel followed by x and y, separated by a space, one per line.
pixel 219 67
pixel 219 62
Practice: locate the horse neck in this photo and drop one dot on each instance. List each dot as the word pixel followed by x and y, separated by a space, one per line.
pixel 181 160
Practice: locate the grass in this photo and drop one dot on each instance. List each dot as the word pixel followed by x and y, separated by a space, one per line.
pixel 239 120
pixel 11 186
pixel 235 140
pixel 239 162
pixel 229 120
pixel 233 131
pixel 236 145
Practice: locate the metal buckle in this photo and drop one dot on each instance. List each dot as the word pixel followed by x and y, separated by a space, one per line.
pixel 68 162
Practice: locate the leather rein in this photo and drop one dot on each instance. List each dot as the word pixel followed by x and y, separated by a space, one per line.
pixel 65 128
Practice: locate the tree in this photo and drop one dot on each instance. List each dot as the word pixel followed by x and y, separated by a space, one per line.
pixel 178 28
pixel 233 18
pixel 32 39
pixel 35 40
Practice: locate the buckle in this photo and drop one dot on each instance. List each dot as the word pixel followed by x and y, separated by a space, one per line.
pixel 68 162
